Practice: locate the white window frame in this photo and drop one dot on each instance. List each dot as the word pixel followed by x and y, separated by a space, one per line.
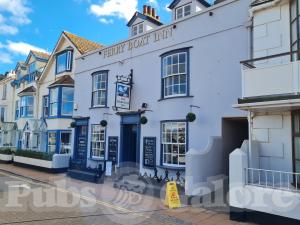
pixel 66 146
pixel 53 101
pixel 68 62
pixel 137 29
pixel 167 140
pixel 4 93
pixel 50 145
pixel 97 140
pixel 169 73
pixel 66 102
pixel 98 90
pixel 184 11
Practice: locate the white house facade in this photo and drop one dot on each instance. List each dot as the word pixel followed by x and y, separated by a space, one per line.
pixel 136 101
pixel 264 173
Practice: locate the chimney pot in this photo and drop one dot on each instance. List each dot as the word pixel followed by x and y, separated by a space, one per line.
pixel 153 12
pixel 144 9
pixel 149 10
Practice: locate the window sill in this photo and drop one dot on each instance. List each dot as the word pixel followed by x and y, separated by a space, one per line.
pixel 174 97
pixel 176 168
pixel 99 107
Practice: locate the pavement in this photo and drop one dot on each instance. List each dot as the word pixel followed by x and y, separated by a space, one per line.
pixel 29 196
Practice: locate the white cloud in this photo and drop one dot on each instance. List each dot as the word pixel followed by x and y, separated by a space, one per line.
pixel 18 9
pixel 123 9
pixel 153 3
pixel 22 48
pixel 6 29
pixel 14 14
pixel 5 58
pixel 106 21
pixel 167 8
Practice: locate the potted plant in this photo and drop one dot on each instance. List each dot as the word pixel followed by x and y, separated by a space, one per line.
pixel 191 117
pixel 144 120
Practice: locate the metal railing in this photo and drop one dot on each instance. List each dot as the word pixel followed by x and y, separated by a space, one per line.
pixel 287 181
pixel 250 62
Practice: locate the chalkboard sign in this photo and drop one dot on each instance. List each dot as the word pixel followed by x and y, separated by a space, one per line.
pixel 149 151
pixel 113 149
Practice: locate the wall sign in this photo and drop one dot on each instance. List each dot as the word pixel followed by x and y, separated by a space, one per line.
pixel 123 95
pixel 149 157
pixel 113 143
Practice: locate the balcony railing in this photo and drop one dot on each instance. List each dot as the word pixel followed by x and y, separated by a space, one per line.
pixel 273 179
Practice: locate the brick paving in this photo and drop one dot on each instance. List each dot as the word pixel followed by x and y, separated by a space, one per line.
pixel 148 210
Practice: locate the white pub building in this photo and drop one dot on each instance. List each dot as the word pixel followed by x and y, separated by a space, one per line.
pixel 162 98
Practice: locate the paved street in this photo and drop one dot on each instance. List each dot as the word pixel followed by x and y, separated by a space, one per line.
pixel 39 198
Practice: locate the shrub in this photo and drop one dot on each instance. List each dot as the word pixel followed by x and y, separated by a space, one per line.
pixel 5 151
pixel 35 154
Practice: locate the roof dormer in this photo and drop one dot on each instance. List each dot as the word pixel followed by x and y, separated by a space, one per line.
pixel 141 23
pixel 183 8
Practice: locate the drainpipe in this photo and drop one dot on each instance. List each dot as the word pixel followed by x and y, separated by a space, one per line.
pixel 250 121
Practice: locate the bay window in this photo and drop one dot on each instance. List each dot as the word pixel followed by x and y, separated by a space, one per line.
pixel 175 74
pixel 26 109
pixel 67 101
pixel 173 143
pixel 98 142
pixel 54 92
pixel 45 109
pixel 65 142
pixel 60 101
pixel 52 142
pixel 99 91
pixel 63 62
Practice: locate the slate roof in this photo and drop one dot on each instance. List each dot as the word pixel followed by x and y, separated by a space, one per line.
pixel 64 80
pixel 83 45
pixel 144 17
pixel 260 2
pixel 30 89
pixel 175 2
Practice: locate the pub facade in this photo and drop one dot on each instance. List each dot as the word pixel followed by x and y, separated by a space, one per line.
pixel 158 99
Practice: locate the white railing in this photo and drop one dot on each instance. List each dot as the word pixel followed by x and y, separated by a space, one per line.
pixel 280 180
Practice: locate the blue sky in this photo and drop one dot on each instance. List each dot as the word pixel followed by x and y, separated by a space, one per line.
pixel 37 24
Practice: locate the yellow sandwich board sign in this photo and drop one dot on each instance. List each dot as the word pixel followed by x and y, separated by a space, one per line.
pixel 172 199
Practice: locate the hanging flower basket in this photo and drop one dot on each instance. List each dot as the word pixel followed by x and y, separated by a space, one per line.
pixel 191 117
pixel 72 124
pixel 144 120
pixel 103 123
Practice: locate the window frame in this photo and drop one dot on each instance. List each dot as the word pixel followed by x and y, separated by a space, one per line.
pixel 56 141
pixel 4 92
pixel 68 63
pixel 17 109
pixel 164 75
pixel 137 26
pixel 162 143
pixel 295 20
pixel 45 106
pixel 62 102
pixel 59 102
pixel 183 8
pixel 60 140
pixel 24 108
pixel 92 156
pixel 95 74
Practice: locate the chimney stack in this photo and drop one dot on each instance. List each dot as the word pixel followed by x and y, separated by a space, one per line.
pixel 149 11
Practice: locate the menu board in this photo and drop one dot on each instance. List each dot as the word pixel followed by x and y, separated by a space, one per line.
pixel 113 149
pixel 149 159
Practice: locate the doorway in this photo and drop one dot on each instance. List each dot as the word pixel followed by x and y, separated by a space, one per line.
pixel 130 139
pixel 234 132
pixel 80 150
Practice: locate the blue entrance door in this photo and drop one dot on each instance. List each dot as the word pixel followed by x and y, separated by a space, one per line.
pixel 130 138
pixel 80 153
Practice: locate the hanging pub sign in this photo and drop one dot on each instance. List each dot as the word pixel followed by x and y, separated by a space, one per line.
pixel 123 91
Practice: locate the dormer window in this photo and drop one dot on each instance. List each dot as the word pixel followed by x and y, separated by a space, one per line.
pixel 137 29
pixel 32 68
pixel 63 62
pixel 183 11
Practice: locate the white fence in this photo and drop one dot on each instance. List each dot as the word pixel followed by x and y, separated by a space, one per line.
pixel 280 180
